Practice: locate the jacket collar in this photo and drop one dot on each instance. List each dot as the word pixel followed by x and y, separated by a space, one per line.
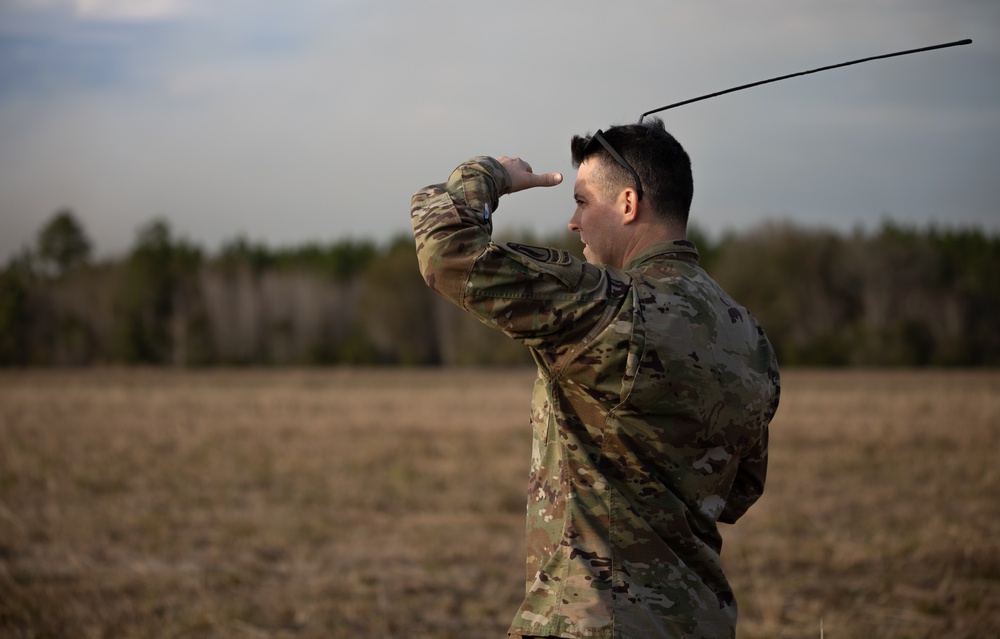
pixel 683 250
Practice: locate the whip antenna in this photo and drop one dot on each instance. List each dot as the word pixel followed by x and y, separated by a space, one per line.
pixel 792 75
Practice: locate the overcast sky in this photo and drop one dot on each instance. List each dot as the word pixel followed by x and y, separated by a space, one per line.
pixel 316 120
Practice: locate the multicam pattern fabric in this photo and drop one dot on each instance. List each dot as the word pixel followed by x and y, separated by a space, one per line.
pixel 650 414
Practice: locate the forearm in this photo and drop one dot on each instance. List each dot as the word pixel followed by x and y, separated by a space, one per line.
pixel 452 222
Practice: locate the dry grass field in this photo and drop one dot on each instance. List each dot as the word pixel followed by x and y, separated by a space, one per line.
pixel 389 504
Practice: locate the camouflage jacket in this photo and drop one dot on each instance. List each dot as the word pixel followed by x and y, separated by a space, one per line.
pixel 650 416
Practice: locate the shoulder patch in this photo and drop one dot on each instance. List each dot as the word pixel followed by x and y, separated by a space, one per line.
pixel 544 263
pixel 542 253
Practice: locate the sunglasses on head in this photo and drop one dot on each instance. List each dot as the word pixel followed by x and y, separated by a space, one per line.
pixel 599 138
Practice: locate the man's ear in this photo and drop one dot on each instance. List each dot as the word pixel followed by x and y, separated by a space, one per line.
pixel 629 203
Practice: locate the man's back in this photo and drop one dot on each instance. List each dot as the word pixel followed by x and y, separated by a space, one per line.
pixel 640 431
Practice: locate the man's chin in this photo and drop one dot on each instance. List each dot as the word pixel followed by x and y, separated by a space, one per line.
pixel 591 257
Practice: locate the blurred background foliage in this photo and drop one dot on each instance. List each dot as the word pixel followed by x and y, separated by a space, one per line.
pixel 894 297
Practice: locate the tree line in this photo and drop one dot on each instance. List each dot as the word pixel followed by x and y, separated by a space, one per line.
pixel 897 296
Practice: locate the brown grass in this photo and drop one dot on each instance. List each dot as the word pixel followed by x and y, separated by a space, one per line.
pixel 389 504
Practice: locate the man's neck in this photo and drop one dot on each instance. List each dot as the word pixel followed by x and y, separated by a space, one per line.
pixel 649 234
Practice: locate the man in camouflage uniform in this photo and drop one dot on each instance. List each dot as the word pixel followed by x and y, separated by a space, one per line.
pixel 654 392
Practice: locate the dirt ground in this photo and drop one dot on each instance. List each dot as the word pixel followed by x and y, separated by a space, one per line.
pixel 390 503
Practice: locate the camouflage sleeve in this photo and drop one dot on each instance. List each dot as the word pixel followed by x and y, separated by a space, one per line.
pixel 540 296
pixel 749 483
pixel 452 223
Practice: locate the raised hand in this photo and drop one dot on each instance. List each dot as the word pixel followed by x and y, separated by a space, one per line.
pixel 522 177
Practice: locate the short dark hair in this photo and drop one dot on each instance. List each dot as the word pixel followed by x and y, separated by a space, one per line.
pixel 662 164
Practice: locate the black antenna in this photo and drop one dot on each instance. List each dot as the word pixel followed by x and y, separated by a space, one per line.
pixel 792 75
